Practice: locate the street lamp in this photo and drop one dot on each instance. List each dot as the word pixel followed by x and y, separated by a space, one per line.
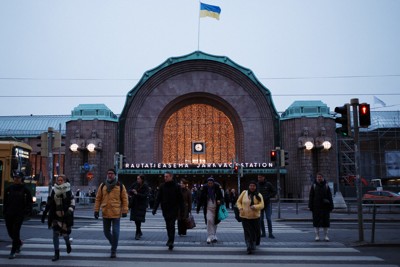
pixel 74 147
pixel 91 147
pixel 327 145
pixel 309 145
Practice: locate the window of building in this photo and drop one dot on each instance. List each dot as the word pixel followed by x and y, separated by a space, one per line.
pixel 198 122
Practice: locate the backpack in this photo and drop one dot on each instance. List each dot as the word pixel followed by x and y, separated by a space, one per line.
pixel 120 188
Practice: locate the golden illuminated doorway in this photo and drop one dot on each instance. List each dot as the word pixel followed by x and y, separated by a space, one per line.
pixel 198 122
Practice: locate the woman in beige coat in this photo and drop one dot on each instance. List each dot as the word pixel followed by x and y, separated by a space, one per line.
pixel 250 203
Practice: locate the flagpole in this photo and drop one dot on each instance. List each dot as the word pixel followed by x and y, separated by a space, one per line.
pixel 198 30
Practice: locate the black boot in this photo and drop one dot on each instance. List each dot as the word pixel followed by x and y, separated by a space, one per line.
pixel 69 248
pixel 56 255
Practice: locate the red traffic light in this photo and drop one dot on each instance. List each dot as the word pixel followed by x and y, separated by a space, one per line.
pixel 364 115
pixel 236 168
pixel 273 155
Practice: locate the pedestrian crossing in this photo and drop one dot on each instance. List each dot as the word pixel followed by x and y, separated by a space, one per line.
pixel 90 248
pixel 95 252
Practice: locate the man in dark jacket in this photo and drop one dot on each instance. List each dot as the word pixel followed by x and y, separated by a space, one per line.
pixel 268 191
pixel 171 200
pixel 17 205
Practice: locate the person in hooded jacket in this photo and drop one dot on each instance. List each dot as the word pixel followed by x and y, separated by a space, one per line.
pixel 138 202
pixel 210 199
pixel 320 204
pixel 250 203
pixel 60 206
pixel 17 204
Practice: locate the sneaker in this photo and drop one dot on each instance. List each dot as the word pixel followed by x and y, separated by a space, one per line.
pixel 317 238
pixel 208 240
pixel 215 240
pixel 326 238
pixel 12 256
pixel 113 254
pixel 171 246
pixel 271 236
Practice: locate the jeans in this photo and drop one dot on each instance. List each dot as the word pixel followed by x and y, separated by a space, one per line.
pixel 113 235
pixel 268 212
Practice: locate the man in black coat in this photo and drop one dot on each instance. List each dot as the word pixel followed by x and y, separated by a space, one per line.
pixel 171 200
pixel 17 205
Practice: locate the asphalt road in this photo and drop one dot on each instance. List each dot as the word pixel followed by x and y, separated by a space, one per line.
pixel 294 244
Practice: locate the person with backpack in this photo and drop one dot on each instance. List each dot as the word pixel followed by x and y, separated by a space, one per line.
pixel 320 204
pixel 60 206
pixel 268 191
pixel 17 204
pixel 112 199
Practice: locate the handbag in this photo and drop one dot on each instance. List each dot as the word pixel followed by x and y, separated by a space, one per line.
pixel 222 212
pixel 190 223
pixel 237 213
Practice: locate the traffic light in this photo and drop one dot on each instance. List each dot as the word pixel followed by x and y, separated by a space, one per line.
pixel 274 155
pixel 364 115
pixel 236 168
pixel 344 120
pixel 284 158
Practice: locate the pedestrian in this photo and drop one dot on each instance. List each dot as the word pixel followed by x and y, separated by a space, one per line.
pixel 250 203
pixel 268 191
pixel 17 204
pixel 170 197
pixel 210 199
pixel 112 198
pixel 138 202
pixel 320 204
pixel 77 194
pixel 227 198
pixel 187 208
pixel 60 206
pixel 233 197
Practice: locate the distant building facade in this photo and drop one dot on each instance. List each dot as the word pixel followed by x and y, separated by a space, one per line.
pixel 199 115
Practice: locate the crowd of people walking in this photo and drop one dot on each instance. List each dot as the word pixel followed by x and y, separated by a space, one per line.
pixel 113 202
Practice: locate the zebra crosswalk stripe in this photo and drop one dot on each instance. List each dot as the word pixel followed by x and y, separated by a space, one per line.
pixel 38 251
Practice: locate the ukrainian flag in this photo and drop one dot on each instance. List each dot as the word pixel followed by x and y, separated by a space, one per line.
pixel 209 11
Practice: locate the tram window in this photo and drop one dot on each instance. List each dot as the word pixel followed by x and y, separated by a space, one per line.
pixel 14 164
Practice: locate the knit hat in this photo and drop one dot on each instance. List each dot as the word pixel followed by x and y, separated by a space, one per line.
pixel 210 179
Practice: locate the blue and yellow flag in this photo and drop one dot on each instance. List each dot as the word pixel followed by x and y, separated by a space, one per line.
pixel 209 11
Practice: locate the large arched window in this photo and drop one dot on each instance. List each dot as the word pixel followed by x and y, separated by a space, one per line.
pixel 198 122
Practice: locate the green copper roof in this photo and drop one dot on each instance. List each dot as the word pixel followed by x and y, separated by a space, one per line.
pixel 306 108
pixel 199 55
pixel 93 112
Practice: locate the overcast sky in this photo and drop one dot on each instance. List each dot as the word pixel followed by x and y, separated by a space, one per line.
pixel 56 55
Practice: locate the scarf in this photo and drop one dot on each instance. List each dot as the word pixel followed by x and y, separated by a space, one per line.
pixel 110 185
pixel 61 189
pixel 252 195
pixel 211 194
